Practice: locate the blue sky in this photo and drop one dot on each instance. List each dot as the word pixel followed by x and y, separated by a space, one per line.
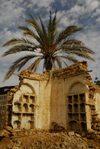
pixel 83 13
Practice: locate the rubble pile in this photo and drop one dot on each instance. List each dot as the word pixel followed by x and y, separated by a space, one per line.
pixel 42 139
pixel 56 128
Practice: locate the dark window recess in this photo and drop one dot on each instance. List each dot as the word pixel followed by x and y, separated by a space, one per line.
pixel 76 117
pixel 26 98
pixel 82 107
pixel 75 98
pixel 83 127
pixel 82 117
pixel 69 99
pixel 69 108
pixel 70 116
pixel 32 107
pixel 32 117
pixel 82 98
pixel 75 107
pixel 9 109
pixel 25 107
pixel 31 124
pixel 32 98
pixel 18 105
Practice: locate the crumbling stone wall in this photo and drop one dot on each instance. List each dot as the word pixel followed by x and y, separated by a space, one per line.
pixel 5 106
pixel 52 91
pixel 30 105
pixel 65 97
pixel 3 118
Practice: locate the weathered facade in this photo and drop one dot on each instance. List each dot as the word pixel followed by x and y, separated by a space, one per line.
pixel 5 106
pixel 65 97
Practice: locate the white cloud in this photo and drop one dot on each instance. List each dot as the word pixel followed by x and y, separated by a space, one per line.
pixel 10 12
pixel 41 3
pixel 85 7
pixel 98 20
pixel 12 81
pixel 91 38
pixel 97 12
pixel 92 4
pixel 77 11
pixel 63 2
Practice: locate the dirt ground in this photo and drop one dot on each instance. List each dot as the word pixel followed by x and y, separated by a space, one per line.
pixel 46 140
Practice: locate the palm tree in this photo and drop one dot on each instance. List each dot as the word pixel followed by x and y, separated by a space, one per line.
pixel 45 43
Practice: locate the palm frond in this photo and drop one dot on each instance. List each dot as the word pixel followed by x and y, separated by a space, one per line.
pixel 81 54
pixel 65 63
pixel 50 22
pixel 73 41
pixel 67 32
pixel 28 32
pixel 20 48
pixel 58 60
pixel 43 29
pixel 54 48
pixel 70 58
pixel 72 47
pixel 36 26
pixel 52 28
pixel 18 41
pixel 22 64
pixel 34 65
pixel 18 64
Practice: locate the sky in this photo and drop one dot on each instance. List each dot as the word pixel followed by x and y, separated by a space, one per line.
pixel 83 13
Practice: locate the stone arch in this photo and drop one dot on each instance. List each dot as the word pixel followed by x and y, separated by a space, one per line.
pixel 29 86
pixel 77 87
pixel 25 116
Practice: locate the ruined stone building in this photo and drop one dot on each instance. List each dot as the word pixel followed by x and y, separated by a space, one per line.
pixel 66 97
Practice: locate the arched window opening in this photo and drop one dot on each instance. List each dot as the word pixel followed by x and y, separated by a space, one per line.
pixel 32 107
pixel 25 106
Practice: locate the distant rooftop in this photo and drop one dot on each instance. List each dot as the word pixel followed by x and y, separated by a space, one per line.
pixel 5 89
